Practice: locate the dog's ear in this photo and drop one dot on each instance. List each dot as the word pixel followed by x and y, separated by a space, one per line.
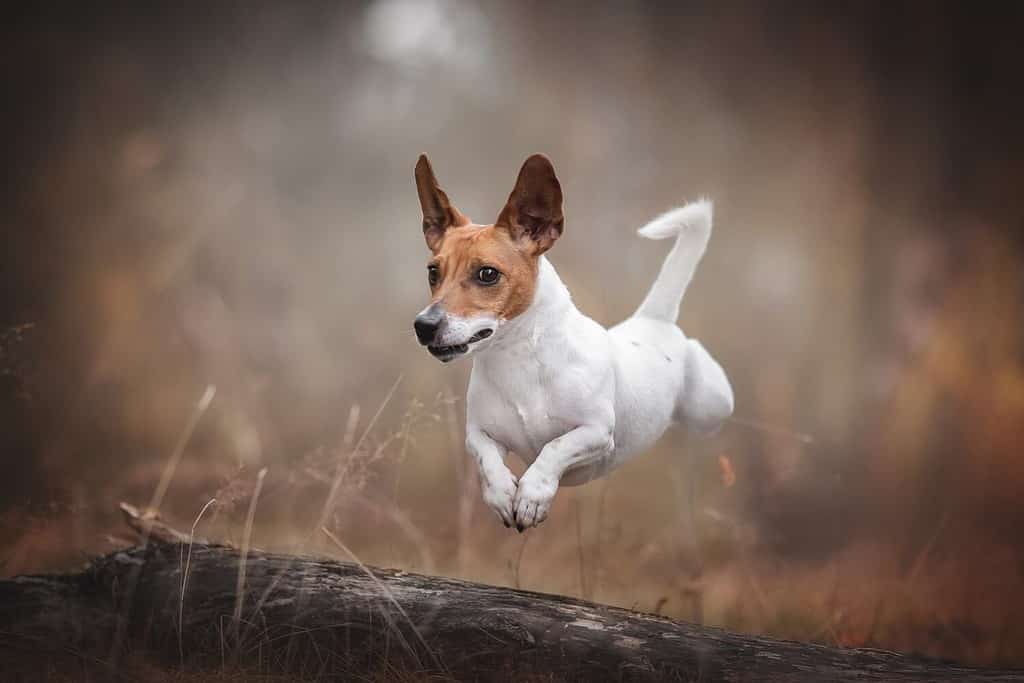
pixel 533 213
pixel 439 213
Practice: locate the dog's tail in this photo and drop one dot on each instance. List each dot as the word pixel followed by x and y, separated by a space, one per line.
pixel 691 226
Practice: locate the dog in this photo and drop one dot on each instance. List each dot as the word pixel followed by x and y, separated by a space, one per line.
pixel 572 399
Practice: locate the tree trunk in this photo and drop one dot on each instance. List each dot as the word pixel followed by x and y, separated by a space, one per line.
pixel 310 617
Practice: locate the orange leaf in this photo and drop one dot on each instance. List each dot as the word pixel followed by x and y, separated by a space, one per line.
pixel 728 474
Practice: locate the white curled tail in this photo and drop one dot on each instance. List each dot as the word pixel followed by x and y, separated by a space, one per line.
pixel 691 226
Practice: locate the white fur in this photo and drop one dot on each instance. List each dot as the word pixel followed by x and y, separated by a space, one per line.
pixel 575 400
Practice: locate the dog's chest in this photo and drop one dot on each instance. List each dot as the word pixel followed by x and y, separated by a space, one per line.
pixel 520 407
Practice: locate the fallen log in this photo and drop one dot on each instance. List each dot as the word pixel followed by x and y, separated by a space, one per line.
pixel 316 618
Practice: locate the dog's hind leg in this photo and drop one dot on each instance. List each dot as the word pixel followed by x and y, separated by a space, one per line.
pixel 706 399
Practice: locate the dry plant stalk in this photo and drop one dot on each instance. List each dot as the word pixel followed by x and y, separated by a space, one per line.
pixel 147 520
pixel 391 598
pixel 246 540
pixel 184 576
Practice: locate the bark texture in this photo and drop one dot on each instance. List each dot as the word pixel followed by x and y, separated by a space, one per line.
pixel 324 619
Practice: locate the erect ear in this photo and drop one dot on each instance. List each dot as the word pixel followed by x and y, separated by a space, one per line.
pixel 533 213
pixel 438 212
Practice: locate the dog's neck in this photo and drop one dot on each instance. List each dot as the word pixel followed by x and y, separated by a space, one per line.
pixel 542 322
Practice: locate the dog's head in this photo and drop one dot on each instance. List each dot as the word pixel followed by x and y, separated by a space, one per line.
pixel 481 276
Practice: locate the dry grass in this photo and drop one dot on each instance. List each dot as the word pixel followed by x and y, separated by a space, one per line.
pixel 600 544
pixel 595 547
pixel 139 668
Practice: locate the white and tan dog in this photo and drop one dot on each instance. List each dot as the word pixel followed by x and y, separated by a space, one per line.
pixel 570 398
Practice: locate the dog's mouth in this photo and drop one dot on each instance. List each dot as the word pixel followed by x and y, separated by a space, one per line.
pixel 447 353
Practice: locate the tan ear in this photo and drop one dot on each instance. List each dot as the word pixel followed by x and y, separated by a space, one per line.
pixel 533 213
pixel 438 212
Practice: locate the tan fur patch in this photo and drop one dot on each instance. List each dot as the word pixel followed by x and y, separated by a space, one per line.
pixel 530 222
pixel 466 249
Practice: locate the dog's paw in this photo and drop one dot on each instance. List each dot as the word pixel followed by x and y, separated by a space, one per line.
pixel 499 490
pixel 533 498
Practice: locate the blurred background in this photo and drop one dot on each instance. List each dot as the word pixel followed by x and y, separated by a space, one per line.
pixel 222 195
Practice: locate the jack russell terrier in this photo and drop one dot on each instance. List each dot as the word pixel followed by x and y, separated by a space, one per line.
pixel 570 398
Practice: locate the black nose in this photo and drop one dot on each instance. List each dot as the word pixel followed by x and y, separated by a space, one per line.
pixel 427 324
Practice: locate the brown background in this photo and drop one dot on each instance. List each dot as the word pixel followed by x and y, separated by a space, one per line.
pixel 224 196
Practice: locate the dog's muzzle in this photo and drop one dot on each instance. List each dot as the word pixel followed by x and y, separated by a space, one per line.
pixel 430 327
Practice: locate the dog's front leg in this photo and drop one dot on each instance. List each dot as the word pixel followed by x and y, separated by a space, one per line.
pixel 537 487
pixel 497 482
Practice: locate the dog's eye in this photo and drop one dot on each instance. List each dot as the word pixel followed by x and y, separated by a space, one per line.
pixel 487 275
pixel 433 275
